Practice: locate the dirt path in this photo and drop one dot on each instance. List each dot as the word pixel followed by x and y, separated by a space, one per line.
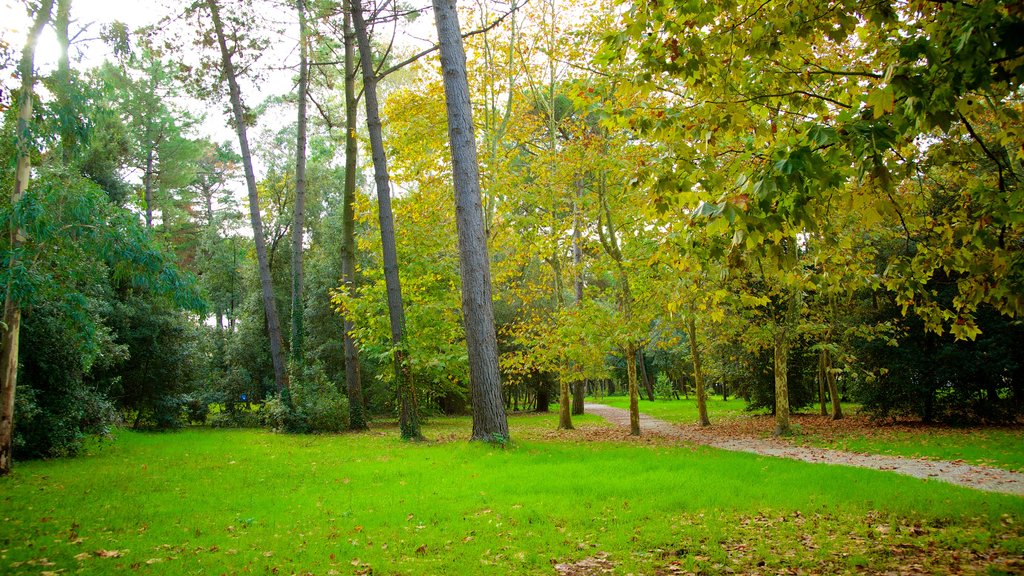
pixel 977 477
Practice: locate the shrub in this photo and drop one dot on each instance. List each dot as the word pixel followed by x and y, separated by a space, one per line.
pixel 237 419
pixel 312 404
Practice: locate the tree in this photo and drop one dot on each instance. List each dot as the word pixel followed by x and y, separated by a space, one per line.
pixel 299 214
pixel 489 422
pixel 12 295
pixel 408 411
pixel 269 303
pixel 357 410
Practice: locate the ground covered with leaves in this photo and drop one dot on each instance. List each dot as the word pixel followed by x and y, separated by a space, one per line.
pixel 215 501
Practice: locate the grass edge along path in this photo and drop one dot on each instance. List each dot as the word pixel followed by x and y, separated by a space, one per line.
pixel 977 477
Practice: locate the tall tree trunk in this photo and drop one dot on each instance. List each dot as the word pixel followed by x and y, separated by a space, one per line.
pixel 151 139
pixel 821 382
pixel 564 405
pixel 698 372
pixel 607 235
pixel 489 420
pixel 644 376
pixel 269 304
pixel 579 397
pixel 357 419
pixel 23 172
pixel 61 23
pixel 299 216
pixel 634 395
pixel 781 354
pixel 833 390
pixel 579 389
pixel 408 416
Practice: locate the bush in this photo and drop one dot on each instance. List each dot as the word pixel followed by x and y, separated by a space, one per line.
pixel 312 404
pixel 237 419
pixel 58 426
pixel 56 408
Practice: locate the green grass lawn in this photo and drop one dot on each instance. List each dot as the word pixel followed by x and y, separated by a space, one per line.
pixel 682 411
pixel 1002 447
pixel 207 501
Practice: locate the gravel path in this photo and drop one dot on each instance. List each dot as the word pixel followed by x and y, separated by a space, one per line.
pixel 977 477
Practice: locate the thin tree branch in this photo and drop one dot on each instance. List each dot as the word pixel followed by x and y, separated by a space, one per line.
pixel 410 60
pixel 999 165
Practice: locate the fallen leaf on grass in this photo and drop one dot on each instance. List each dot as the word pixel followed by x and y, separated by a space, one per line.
pixel 593 566
pixel 109 553
pixel 83 556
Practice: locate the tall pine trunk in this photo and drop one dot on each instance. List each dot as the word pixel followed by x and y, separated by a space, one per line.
pixel 698 372
pixel 356 410
pixel 489 420
pixel 299 216
pixel 269 303
pixel 23 173
pixel 408 417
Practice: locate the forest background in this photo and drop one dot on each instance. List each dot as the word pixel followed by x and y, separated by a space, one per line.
pixel 793 204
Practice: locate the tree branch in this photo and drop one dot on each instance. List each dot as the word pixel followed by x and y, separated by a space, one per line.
pixel 999 165
pixel 465 35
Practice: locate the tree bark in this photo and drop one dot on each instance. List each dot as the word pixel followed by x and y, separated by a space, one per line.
pixel 269 303
pixel 609 241
pixel 579 395
pixel 564 406
pixel 821 383
pixel 299 216
pixel 147 184
pixel 698 372
pixel 781 354
pixel 22 175
pixel 833 390
pixel 579 390
pixel 648 385
pixel 634 395
pixel 357 419
pixel 61 23
pixel 408 416
pixel 489 419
